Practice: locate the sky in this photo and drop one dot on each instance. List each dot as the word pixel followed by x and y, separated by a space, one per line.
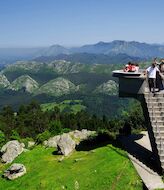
pixel 35 23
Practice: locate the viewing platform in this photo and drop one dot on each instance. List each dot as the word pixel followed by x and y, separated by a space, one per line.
pixel 135 84
pixel 131 84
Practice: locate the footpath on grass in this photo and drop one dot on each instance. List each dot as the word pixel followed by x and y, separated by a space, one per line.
pixel 140 153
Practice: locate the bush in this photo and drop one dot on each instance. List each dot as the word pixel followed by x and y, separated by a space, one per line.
pixel 15 135
pixel 43 136
pixel 65 130
pixel 2 139
pixel 55 127
pixel 26 140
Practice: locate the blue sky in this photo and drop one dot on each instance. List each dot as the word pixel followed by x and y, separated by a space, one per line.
pixel 26 23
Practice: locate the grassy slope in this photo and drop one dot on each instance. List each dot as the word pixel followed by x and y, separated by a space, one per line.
pixel 75 107
pixel 106 168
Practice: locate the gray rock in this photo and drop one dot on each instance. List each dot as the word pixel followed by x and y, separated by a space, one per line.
pixel 65 144
pixel 15 171
pixel 81 135
pixel 52 142
pixel 61 159
pixel 11 150
pixel 31 144
pixel 77 185
pixel 78 159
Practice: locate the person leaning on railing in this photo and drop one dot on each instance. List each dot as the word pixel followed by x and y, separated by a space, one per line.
pixel 151 74
pixel 160 75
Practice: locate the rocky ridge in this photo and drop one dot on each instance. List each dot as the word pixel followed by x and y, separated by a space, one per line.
pixel 3 81
pixel 109 88
pixel 26 82
pixel 57 87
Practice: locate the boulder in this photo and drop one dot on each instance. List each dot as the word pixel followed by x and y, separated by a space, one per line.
pixel 65 144
pixel 14 171
pixel 81 135
pixel 30 144
pixel 11 150
pixel 52 142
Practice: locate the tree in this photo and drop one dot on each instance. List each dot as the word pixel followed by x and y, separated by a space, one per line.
pixel 2 138
pixel 15 135
pixel 8 118
pixel 42 137
pixel 55 127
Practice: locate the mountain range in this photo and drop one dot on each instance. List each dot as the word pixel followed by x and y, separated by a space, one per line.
pixel 134 49
pixel 57 81
pixel 57 87
pixel 95 53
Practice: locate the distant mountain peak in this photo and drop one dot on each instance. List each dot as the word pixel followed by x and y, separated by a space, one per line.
pixel 101 43
pixel 54 50
pixel 56 46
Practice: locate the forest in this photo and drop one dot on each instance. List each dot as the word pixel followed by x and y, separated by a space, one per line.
pixel 31 122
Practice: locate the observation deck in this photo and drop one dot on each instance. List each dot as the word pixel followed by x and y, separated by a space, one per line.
pixel 131 84
pixel 135 85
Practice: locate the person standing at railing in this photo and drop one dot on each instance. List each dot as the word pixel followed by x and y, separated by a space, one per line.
pixel 160 75
pixel 151 73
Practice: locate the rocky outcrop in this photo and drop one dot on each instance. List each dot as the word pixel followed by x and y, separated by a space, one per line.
pixel 110 88
pixel 64 67
pixel 66 144
pixel 3 81
pixel 11 150
pixel 24 82
pixel 57 87
pixel 79 136
pixel 30 144
pixel 14 171
pixel 52 142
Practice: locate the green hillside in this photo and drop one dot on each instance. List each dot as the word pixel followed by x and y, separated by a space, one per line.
pixel 57 87
pixel 67 105
pixel 102 169
pixel 25 82
pixel 64 80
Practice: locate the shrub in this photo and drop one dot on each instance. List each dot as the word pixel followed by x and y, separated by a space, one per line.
pixel 65 130
pixel 2 138
pixel 26 140
pixel 15 135
pixel 55 127
pixel 43 136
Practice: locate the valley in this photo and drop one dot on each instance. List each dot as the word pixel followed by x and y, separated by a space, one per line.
pixel 57 81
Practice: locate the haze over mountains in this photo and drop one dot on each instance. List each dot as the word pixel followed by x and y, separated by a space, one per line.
pixel 95 53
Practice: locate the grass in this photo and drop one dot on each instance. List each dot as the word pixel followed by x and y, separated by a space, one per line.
pixel 105 168
pixel 72 105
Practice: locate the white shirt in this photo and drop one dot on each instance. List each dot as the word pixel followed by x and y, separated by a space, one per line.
pixel 152 72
